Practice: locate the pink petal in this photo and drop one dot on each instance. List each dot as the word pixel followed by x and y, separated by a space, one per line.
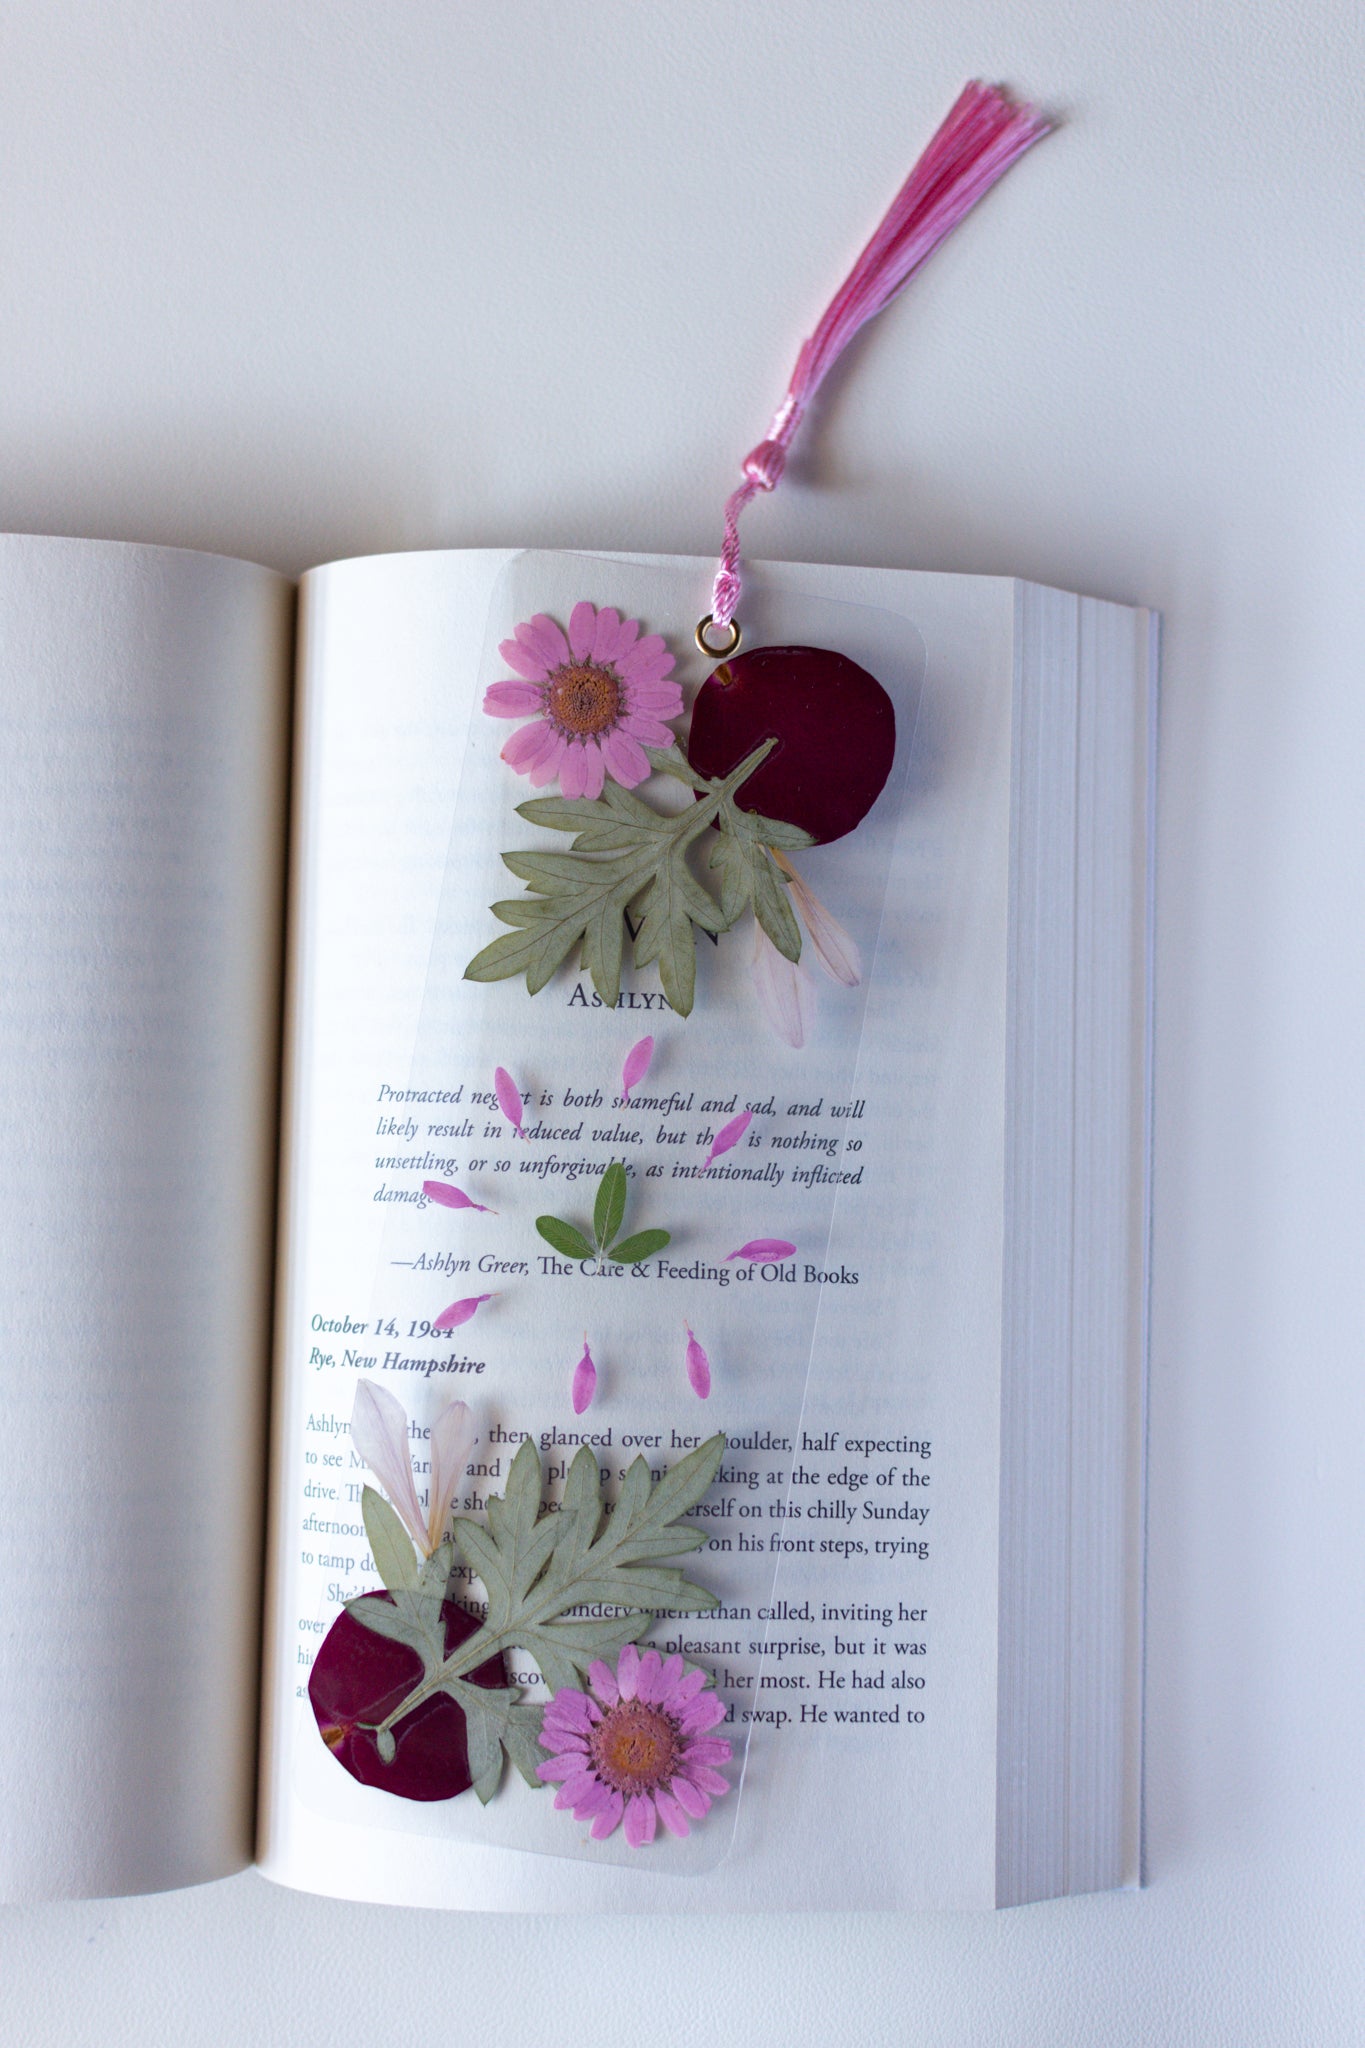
pixel 574 1790
pixel 687 1688
pixel 627 634
pixel 564 1766
pixel 573 769
pixel 593 1802
pixel 594 769
pixel 509 1097
pixel 571 1707
pixel 628 1671
pixel 623 757
pixel 546 769
pixel 707 1749
pixel 451 1197
pixel 702 1780
pixel 603 1682
pixel 460 1312
pixel 606 635
pixel 584 1381
pixel 529 745
pixel 729 1136
pixel 513 700
pixel 640 726
pixel 834 948
pixel 704 1712
pixel 783 991
pixel 582 631
pixel 636 1066
pixel 379 1436
pixel 544 638
pixel 690 1797
pixel 645 657
pixel 698 1367
pixel 452 1439
pixel 608 1820
pixel 523 658
pixel 647 1686
pixel 763 1248
pixel 641 1821
pixel 671 1814
pixel 668 1679
pixel 663 699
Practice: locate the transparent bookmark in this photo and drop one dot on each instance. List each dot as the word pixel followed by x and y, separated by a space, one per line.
pixel 608 1237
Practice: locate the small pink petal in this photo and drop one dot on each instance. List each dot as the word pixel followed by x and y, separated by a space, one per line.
pixel 573 769
pixel 698 1367
pixel 646 657
pixel 509 1098
pixel 513 700
pixel 729 1136
pixel 628 1671
pixel 460 1312
pixel 671 1814
pixel 641 1820
pixel 602 1679
pixel 609 1819
pixel 636 1066
pixel 690 1796
pixel 594 769
pixel 529 746
pixel 784 991
pixel 582 630
pixel 584 1380
pixel 451 1197
pixel 524 659
pixel 763 1248
pixel 606 635
pixel 544 638
pixel 624 759
pixel 546 769
pixel 648 731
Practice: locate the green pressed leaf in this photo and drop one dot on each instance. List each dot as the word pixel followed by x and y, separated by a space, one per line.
pixel 643 1245
pixel 521 1738
pixel 772 908
pixel 483 1738
pixel 609 1210
pixel 670 761
pixel 394 1557
pixel 624 852
pixel 748 880
pixel 568 1242
pixel 767 831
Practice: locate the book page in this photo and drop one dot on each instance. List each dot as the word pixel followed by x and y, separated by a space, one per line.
pixel 853 1522
pixel 142 815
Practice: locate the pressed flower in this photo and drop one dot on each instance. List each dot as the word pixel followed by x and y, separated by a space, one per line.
pixel 597 697
pixel 637 1748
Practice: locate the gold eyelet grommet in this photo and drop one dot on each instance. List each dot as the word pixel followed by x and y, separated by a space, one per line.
pixel 718 653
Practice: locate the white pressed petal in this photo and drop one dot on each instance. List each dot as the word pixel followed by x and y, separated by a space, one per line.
pixel 834 947
pixel 379 1433
pixel 452 1436
pixel 783 991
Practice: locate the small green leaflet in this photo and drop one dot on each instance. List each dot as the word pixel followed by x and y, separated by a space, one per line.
pixel 626 856
pixel 537 1568
pixel 608 1214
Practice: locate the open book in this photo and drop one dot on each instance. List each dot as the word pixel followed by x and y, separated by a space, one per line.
pixel 899 1265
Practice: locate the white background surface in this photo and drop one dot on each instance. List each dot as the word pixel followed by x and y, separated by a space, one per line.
pixel 297 280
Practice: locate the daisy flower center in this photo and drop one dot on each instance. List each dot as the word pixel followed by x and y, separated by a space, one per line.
pixel 634 1747
pixel 584 698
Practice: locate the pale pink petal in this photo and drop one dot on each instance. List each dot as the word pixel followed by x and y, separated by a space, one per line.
pixel 609 1819
pixel 582 630
pixel 763 1248
pixel 687 1688
pixel 452 1438
pixel 460 1312
pixel 663 698
pixel 704 1780
pixel 606 635
pixel 704 1712
pixel 529 745
pixel 698 1367
pixel 690 1797
pixel 379 1436
pixel 728 1136
pixel 593 1802
pixel 594 769
pixel 570 1706
pixel 783 991
pixel 627 634
pixel 707 1749
pixel 573 769
pixel 647 1684
pixel 568 1765
pixel 523 658
pixel 645 729
pixel 451 1197
pixel 641 1820
pixel 584 1381
pixel 644 657
pixel 544 638
pixel 623 757
pixel 834 948
pixel 575 1789
pixel 509 1097
pixel 546 769
pixel 669 1679
pixel 636 1066
pixel 513 700
pixel 671 1814
pixel 628 1671
pixel 603 1682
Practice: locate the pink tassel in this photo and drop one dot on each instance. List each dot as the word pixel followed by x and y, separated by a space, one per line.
pixel 983 135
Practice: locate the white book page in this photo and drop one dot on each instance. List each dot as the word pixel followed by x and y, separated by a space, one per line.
pixel 142 812
pixel 877 1723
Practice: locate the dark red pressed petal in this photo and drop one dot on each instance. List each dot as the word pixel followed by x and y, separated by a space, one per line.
pixel 834 725
pixel 360 1676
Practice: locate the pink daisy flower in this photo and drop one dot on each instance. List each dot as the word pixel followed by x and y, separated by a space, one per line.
pixel 636 1747
pixel 597 698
